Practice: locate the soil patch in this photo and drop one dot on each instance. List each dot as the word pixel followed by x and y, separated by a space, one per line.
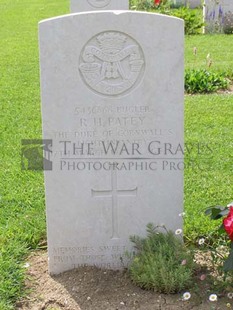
pixel 95 289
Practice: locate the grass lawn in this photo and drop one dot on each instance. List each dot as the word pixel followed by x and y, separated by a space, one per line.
pixel 208 119
pixel 22 218
pixel 218 46
pixel 209 175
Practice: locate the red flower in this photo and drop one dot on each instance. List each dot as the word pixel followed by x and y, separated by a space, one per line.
pixel 228 223
pixel 157 2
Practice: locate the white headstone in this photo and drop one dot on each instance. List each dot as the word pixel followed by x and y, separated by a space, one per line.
pixel 96 5
pixel 194 3
pixel 112 103
pixel 189 3
pixel 215 15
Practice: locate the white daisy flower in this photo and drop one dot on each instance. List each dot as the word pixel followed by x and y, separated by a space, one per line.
pixel 186 296
pixel 182 214
pixel 213 297
pixel 178 231
pixel 230 295
pixel 201 241
pixel 27 265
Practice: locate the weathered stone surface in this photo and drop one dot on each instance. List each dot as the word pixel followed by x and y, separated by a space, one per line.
pixel 194 3
pixel 112 103
pixel 77 6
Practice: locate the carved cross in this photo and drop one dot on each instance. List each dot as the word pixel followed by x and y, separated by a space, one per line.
pixel 114 193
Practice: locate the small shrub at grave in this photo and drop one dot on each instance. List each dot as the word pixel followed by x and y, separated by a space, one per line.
pixel 163 263
pixel 203 81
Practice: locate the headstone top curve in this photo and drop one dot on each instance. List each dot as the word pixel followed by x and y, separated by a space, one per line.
pixel 111 12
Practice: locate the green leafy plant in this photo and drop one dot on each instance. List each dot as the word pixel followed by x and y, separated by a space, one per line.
pixel 204 81
pixel 192 21
pixel 149 4
pixel 141 4
pixel 162 263
pixel 218 212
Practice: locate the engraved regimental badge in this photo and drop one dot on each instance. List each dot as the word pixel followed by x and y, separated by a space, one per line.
pixel 99 3
pixel 112 63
